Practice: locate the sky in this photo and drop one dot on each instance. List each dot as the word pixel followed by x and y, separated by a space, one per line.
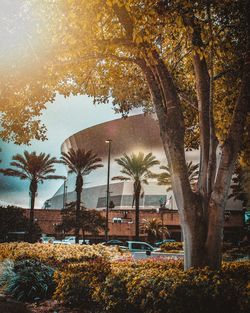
pixel 62 118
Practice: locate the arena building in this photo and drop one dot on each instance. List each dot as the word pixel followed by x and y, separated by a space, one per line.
pixel 138 133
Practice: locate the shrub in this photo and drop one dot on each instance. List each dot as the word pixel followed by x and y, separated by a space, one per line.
pixel 236 253
pixel 160 288
pixel 27 280
pixel 171 246
pixel 56 255
pixel 78 282
pixel 112 294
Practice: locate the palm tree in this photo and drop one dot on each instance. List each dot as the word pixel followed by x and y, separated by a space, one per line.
pixel 90 221
pixel 136 168
pixel 154 229
pixel 36 168
pixel 164 178
pixel 81 163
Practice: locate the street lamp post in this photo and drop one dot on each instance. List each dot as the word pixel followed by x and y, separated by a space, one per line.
pixel 108 141
pixel 64 192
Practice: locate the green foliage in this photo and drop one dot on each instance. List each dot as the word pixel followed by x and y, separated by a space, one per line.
pixel 27 280
pixel 113 292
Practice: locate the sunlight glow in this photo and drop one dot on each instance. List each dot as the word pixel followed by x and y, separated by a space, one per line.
pixel 20 33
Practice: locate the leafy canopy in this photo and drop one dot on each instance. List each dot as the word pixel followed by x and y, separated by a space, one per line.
pixel 81 47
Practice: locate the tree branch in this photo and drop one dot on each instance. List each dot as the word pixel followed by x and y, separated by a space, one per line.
pixel 125 20
pixel 185 98
pixel 233 142
pixel 203 95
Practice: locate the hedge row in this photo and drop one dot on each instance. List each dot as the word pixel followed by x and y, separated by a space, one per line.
pixel 57 255
pixel 92 277
pixel 154 287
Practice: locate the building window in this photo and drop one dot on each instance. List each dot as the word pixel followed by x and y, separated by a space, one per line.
pixel 117 220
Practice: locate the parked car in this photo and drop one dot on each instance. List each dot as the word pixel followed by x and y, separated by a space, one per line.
pixel 72 239
pixel 114 242
pixel 47 239
pixel 138 246
pixel 159 243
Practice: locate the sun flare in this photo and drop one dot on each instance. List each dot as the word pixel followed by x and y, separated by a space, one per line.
pixel 22 32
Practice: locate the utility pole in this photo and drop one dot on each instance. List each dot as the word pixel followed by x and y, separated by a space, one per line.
pixel 108 141
pixel 64 192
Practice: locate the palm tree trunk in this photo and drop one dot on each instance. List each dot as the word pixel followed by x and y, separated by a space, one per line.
pixel 79 184
pixel 78 204
pixel 33 190
pixel 31 221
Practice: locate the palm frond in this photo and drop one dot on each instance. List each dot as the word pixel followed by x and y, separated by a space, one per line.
pixel 122 178
pixel 52 177
pixel 81 161
pixel 14 173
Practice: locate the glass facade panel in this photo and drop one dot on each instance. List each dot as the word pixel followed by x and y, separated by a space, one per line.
pixel 154 200
pixel 102 201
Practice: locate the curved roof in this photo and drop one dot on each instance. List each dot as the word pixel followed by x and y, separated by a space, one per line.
pixel 135 133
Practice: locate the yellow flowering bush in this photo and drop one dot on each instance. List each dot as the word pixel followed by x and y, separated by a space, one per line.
pixel 156 288
pixel 100 278
pixel 56 255
pixel 171 246
pixel 77 283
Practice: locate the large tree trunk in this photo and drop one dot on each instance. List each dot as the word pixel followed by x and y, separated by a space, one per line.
pixel 201 219
pixel 201 213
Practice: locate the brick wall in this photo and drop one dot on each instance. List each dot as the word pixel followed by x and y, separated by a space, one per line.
pixel 121 222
